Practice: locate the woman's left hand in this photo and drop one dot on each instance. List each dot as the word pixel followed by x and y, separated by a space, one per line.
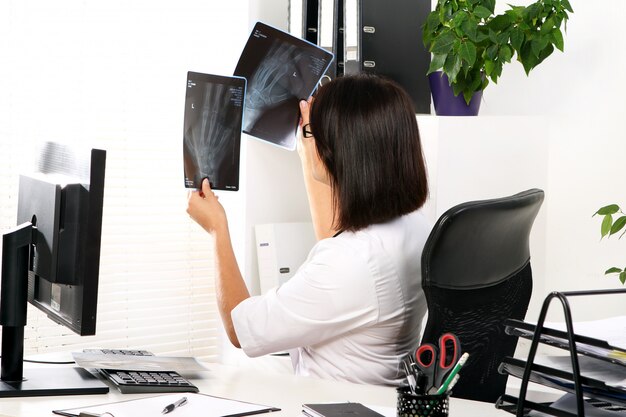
pixel 205 209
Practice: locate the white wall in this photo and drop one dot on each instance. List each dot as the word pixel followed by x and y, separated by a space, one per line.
pixel 272 12
pixel 275 193
pixel 274 189
pixel 579 92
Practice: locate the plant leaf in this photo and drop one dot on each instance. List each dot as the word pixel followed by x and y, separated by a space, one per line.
pixel 467 52
pixel 567 6
pixel 489 66
pixel 467 95
pixel 557 40
pixel 547 27
pixel 622 277
pixel 470 28
pixel 489 4
pixel 481 36
pixel 482 12
pixel 610 209
pixel 442 44
pixel 500 22
pixel 613 270
pixel 515 12
pixel 527 58
pixel 618 225
pixel 505 54
pixel 436 62
pixel 476 81
pixel 503 37
pixel 497 71
pixel 432 21
pixel 460 17
pixel 545 52
pixel 537 46
pixel 517 37
pixel 493 36
pixel 532 11
pixel 452 67
pixel 607 222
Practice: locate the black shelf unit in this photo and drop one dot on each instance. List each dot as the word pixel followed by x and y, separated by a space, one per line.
pixel 572 382
pixel 370 36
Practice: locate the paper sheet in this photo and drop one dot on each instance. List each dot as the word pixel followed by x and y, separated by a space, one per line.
pixel 197 405
pixel 613 329
pixel 610 373
pixel 90 360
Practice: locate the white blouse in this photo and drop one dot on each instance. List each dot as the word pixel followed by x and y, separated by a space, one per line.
pixel 351 311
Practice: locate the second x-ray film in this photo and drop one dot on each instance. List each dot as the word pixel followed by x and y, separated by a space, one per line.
pixel 281 69
pixel 212 130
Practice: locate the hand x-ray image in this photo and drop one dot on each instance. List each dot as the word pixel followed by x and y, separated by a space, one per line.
pixel 212 130
pixel 281 70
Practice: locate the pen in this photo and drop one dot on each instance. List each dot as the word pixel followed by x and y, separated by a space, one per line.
pixel 410 378
pixel 169 408
pixel 444 387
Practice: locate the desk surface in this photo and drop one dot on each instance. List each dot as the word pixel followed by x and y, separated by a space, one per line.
pixel 287 392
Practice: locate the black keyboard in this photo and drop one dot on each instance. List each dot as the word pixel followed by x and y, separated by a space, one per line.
pixel 135 382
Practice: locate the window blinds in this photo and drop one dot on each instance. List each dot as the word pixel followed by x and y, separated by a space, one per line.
pixel 111 75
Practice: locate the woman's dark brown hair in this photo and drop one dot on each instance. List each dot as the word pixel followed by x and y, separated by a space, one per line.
pixel 366 134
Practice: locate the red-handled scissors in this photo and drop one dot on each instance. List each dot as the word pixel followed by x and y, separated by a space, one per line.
pixel 437 361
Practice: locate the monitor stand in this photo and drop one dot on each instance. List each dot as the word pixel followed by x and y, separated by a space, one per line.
pixel 54 381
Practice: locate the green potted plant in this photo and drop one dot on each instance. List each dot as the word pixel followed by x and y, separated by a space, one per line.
pixel 611 226
pixel 470 44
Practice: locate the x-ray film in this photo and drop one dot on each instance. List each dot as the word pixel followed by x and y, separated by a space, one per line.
pixel 212 130
pixel 281 69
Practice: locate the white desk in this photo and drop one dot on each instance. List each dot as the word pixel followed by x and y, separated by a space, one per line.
pixel 287 392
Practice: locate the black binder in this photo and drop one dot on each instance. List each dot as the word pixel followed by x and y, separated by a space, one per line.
pixel 338 410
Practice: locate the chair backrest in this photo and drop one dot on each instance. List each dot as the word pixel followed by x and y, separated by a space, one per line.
pixel 475 274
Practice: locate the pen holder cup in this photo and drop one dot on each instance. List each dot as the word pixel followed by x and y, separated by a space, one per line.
pixel 411 405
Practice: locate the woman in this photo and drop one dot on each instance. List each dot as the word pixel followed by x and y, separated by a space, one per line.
pixel 354 308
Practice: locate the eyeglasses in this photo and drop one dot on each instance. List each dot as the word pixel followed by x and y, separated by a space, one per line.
pixel 306 131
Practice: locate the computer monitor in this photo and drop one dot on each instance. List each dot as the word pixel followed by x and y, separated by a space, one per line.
pixel 52 260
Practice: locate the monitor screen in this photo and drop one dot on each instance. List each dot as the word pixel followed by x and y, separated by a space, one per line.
pixel 63 200
pixel 52 260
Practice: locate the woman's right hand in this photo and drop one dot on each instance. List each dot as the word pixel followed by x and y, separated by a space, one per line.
pixel 205 209
pixel 316 179
pixel 305 145
pixel 307 148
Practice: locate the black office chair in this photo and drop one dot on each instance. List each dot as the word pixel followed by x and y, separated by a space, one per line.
pixel 475 274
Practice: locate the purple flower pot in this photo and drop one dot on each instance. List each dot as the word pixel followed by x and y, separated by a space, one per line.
pixel 446 103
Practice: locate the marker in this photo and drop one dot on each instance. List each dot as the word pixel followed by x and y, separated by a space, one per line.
pixel 420 383
pixel 444 387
